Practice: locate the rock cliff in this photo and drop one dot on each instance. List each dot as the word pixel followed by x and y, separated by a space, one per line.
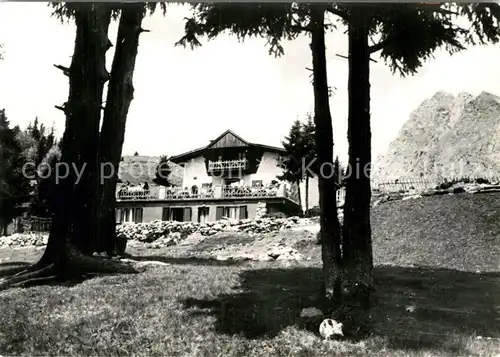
pixel 446 137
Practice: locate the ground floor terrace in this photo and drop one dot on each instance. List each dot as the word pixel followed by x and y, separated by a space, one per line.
pixel 201 211
pixel 136 205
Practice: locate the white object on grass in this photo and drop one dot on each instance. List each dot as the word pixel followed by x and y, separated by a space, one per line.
pixel 329 328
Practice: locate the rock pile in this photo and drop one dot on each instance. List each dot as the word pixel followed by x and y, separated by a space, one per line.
pixel 261 210
pixel 170 233
pixel 282 252
pixel 23 240
pixel 279 252
pixel 158 234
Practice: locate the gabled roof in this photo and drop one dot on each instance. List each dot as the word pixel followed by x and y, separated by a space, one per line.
pixel 228 133
pixel 198 152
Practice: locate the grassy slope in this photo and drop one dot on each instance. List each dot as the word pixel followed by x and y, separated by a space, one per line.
pixel 195 309
pixel 460 232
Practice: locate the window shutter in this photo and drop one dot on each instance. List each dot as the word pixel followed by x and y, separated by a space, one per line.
pixel 187 214
pixel 165 215
pixel 243 212
pixel 138 215
pixel 118 215
pixel 219 213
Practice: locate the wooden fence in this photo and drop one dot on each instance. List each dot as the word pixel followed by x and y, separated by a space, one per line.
pixel 425 183
pixel 36 224
pixel 406 184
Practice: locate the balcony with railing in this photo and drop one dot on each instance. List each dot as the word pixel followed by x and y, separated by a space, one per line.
pixel 249 192
pixel 215 192
pixel 185 194
pixel 162 193
pixel 137 193
pixel 228 165
pixel 269 191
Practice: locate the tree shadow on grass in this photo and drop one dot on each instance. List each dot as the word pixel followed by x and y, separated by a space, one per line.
pixel 187 260
pixel 11 268
pixel 413 307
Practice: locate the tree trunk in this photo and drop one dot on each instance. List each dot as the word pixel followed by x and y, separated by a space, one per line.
pixel 299 194
pixel 357 244
pixel 73 233
pixel 75 209
pixel 120 95
pixel 330 228
pixel 307 194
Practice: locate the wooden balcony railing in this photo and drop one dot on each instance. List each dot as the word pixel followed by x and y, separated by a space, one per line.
pixel 137 193
pixel 246 191
pixel 217 192
pixel 227 165
pixel 183 194
pixel 161 193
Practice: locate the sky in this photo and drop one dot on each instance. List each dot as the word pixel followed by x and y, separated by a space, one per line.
pixel 184 98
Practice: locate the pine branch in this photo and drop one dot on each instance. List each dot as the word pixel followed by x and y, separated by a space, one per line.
pixel 65 70
pixel 378 46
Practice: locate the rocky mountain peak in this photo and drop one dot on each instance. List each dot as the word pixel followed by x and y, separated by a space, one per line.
pixel 446 136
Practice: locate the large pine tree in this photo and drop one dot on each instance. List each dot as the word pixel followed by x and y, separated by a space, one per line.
pixel 14 185
pixel 292 163
pixel 406 35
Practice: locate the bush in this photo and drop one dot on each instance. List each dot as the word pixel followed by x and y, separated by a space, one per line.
pixel 446 184
pixel 275 215
pixel 483 181
pixel 121 244
pixel 318 238
pixel 313 212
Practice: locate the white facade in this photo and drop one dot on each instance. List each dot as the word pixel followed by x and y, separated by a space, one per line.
pixel 313 193
pixel 195 172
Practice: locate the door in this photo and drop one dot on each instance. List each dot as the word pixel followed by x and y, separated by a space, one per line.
pixel 187 214
pixel 219 213
pixel 138 215
pixel 243 212
pixel 118 216
pixel 177 214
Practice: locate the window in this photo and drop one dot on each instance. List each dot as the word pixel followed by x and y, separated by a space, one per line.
pixel 257 183
pixel 137 214
pixel 129 215
pixel 181 214
pixel 177 214
pixel 203 214
pixel 231 212
pixel 229 181
pixel 165 214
